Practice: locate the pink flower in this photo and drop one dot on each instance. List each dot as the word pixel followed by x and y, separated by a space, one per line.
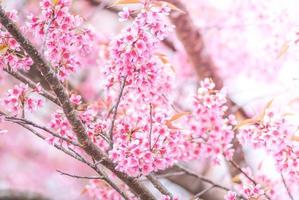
pixel 66 43
pixel 230 196
pixel 125 14
pixel 19 98
pixel 76 99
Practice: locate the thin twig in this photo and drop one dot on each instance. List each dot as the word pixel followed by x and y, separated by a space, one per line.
pixel 33 124
pixel 171 174
pixel 79 177
pixel 122 87
pixel 198 195
pixel 204 179
pixel 151 127
pixel 286 187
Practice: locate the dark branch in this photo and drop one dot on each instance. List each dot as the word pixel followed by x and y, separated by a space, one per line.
pixel 9 194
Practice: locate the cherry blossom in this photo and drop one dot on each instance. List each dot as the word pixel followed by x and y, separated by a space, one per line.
pixel 274 134
pixel 64 39
pixel 211 130
pixel 20 98
pixel 11 54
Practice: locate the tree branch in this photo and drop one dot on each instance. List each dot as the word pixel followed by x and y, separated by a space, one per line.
pixel 158 185
pixel 204 179
pixel 9 194
pixel 71 114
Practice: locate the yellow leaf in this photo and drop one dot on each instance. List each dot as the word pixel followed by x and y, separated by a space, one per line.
pixel 170 125
pixel 124 2
pixel 177 116
pixel 268 105
pixel 3 49
pixel 288 114
pixel 247 122
pixel 257 119
pixel 293 101
pixel 236 179
pixel 283 50
pixel 84 191
pixel 295 138
pixel 170 5
pixel 163 58
pixel 55 2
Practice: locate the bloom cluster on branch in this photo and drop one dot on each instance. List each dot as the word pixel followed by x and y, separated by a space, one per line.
pixel 21 97
pixel 64 40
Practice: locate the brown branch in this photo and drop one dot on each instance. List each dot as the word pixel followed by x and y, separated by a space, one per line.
pixel 204 179
pixel 71 114
pixel 10 194
pixel 159 186
pixel 198 195
pixel 111 183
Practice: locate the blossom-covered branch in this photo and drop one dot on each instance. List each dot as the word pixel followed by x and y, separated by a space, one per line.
pixel 62 96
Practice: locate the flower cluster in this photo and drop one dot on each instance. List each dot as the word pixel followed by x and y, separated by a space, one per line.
pixel 11 54
pixel 211 131
pixel 132 53
pixel 61 126
pixel 95 128
pixel 143 143
pixel 274 134
pixel 261 188
pixel 20 98
pixel 64 41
